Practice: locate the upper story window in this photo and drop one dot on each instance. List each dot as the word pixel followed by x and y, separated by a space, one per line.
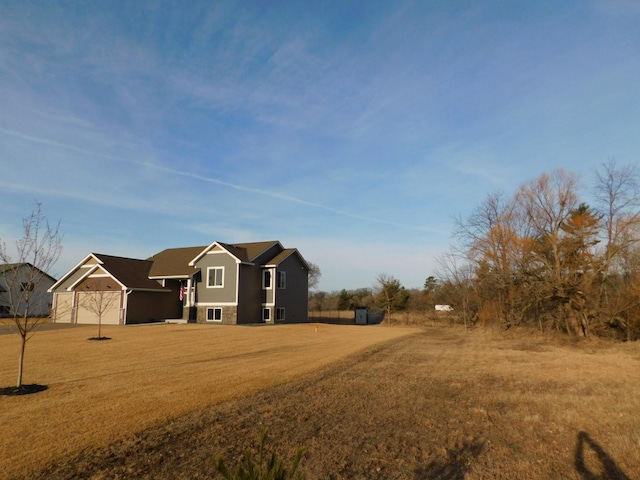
pixel 215 277
pixel 282 279
pixel 266 279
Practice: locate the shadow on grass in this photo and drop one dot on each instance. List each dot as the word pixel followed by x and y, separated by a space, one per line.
pixel 99 338
pixel 601 466
pixel 22 390
pixel 454 467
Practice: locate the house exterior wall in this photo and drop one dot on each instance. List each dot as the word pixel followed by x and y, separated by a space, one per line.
pixel 143 307
pixel 40 301
pixel 229 314
pixel 64 311
pixel 249 294
pixel 295 297
pixel 227 294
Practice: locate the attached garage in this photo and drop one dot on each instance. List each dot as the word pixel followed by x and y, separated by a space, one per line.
pixel 116 290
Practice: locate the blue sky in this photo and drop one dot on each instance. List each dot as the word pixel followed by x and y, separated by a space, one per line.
pixel 354 131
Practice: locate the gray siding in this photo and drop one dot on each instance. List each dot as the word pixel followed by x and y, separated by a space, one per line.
pixel 226 294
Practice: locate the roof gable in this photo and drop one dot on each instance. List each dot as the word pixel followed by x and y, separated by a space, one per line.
pixel 4 268
pixel 244 252
pixel 131 273
pixel 286 253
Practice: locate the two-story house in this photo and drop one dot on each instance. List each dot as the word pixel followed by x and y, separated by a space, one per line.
pixel 219 283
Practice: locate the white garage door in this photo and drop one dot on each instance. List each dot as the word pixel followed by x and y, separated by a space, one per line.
pixel 91 303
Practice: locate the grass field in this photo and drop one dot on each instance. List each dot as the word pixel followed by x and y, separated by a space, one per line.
pixel 101 391
pixel 365 402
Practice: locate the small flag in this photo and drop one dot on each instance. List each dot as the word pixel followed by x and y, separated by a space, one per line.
pixel 181 292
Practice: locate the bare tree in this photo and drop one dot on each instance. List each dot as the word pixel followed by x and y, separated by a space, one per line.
pixel 99 302
pixel 493 240
pixel 617 192
pixel 458 273
pixel 314 275
pixel 38 249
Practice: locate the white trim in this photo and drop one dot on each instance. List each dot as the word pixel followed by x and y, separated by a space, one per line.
pixel 80 264
pixel 170 277
pixel 270 272
pixel 207 284
pixel 216 304
pixel 80 279
pixel 214 314
pixel 108 275
pixel 197 258
pixel 237 282
pixel 190 293
pixel 147 289
pixel 262 314
pixel 125 307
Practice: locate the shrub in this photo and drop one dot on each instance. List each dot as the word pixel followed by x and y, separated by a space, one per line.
pixel 265 467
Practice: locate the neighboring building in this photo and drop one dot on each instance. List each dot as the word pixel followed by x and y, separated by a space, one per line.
pixel 22 285
pixel 219 283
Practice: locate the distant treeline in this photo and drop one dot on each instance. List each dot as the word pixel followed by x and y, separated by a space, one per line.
pixel 542 257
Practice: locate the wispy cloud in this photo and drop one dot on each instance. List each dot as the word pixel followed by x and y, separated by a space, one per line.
pixel 380 120
pixel 204 178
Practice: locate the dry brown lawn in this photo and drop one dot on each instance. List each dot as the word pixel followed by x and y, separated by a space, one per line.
pixel 101 391
pixel 372 402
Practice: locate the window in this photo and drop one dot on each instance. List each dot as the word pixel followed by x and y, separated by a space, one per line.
pixel 282 279
pixel 215 276
pixel 214 314
pixel 266 314
pixel 266 279
pixel 280 314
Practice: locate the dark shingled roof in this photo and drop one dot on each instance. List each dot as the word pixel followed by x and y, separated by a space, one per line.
pixel 283 255
pixel 131 272
pixel 247 252
pixel 174 262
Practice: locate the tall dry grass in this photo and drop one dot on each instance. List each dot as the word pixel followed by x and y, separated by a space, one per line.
pixel 144 375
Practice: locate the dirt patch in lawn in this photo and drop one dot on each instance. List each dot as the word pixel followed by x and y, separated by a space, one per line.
pixel 446 403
